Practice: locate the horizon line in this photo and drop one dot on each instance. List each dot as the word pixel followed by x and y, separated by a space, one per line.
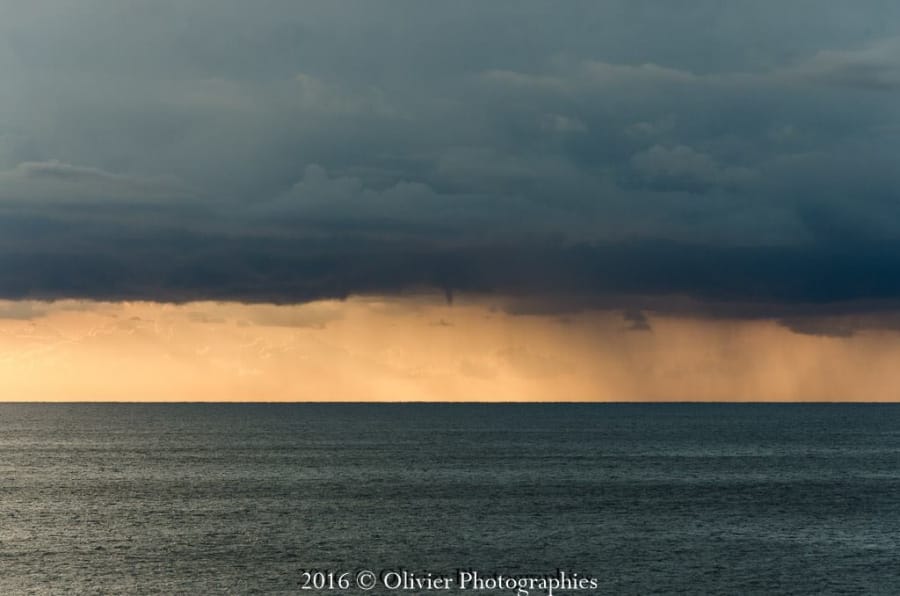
pixel 458 402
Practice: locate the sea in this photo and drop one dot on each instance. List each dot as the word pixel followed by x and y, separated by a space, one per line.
pixel 369 498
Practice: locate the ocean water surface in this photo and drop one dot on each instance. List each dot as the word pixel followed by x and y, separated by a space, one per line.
pixel 653 498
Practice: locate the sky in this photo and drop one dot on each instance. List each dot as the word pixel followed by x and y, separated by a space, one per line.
pixel 399 200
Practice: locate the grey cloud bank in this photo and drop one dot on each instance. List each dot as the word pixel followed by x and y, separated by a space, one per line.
pixel 564 156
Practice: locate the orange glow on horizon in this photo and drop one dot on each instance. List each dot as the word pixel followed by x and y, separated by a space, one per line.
pixel 420 349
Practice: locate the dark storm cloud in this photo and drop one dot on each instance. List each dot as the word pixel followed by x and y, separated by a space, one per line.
pixel 620 155
pixel 875 68
pixel 182 266
pixel 637 320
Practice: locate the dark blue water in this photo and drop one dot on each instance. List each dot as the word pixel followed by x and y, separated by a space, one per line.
pixel 206 499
